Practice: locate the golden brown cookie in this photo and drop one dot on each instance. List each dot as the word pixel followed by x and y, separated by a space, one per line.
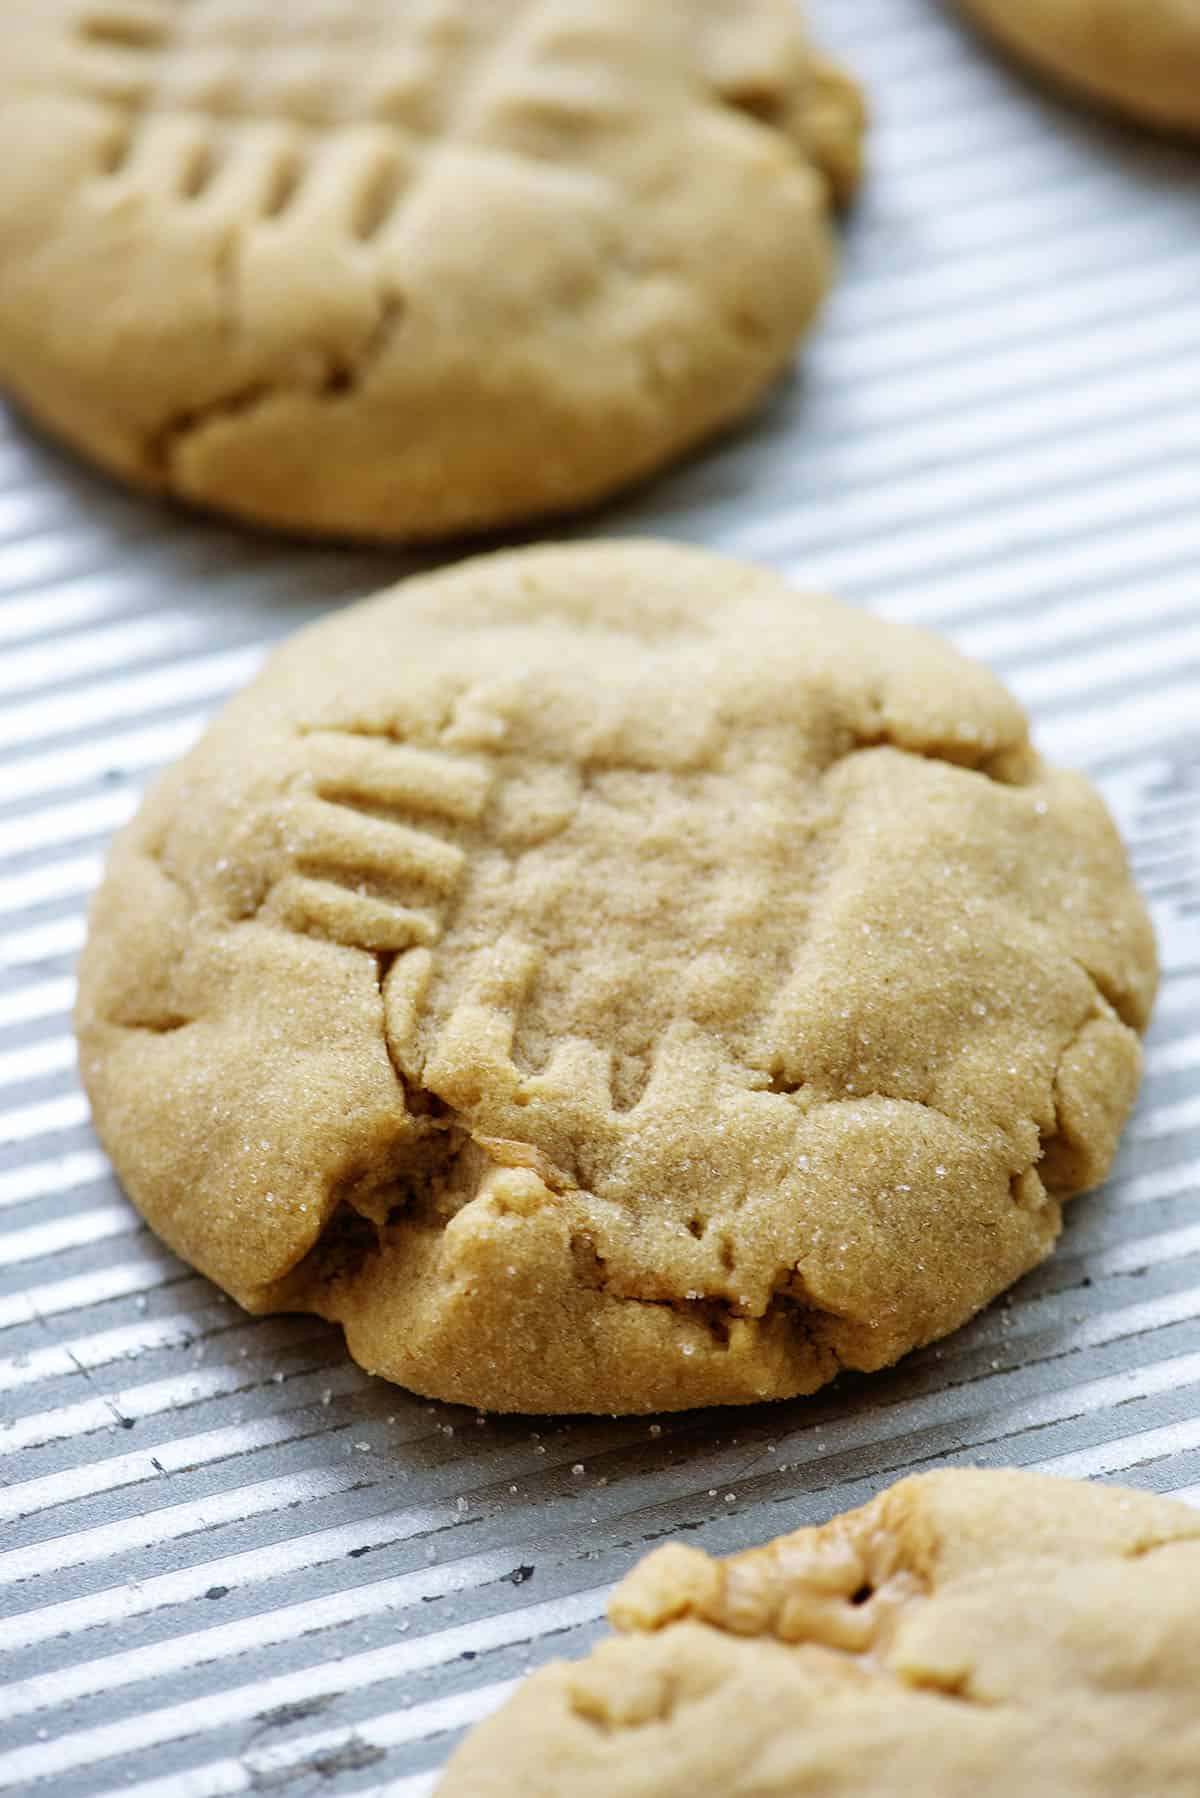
pixel 965 1635
pixel 399 268
pixel 1140 56
pixel 605 979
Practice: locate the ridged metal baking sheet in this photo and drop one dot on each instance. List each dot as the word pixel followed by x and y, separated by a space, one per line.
pixel 231 1563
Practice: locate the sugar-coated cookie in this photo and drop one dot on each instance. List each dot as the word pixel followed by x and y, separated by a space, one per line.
pixel 605 979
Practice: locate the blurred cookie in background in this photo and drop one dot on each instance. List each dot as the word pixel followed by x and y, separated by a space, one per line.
pixel 1141 57
pixel 391 270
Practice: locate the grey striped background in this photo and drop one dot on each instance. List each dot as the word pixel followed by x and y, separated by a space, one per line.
pixel 229 1562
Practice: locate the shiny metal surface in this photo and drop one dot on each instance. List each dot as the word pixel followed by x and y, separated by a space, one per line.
pixel 228 1561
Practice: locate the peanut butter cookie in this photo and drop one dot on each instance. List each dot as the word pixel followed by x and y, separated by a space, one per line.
pixel 399 268
pixel 1140 56
pixel 605 979
pixel 965 1632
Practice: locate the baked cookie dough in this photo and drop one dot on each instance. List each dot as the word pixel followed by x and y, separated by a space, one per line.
pixel 604 979
pixel 965 1633
pixel 1140 56
pixel 402 268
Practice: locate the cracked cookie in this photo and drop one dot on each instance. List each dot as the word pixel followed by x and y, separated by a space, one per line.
pixel 604 979
pixel 403 268
pixel 965 1632
pixel 1140 56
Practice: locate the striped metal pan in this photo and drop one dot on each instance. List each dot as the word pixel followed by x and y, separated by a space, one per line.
pixel 229 1562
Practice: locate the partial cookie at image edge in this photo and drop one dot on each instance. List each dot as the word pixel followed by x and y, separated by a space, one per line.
pixel 964 1631
pixel 469 279
pixel 1140 58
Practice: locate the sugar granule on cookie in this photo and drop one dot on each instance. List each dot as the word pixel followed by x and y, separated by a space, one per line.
pixel 402 268
pixel 605 979
pixel 965 1632
pixel 1141 57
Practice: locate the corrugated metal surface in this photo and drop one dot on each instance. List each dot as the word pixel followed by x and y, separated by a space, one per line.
pixel 230 1562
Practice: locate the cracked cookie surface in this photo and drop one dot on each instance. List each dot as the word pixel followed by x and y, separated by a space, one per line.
pixel 1140 56
pixel 605 979
pixel 965 1632
pixel 400 268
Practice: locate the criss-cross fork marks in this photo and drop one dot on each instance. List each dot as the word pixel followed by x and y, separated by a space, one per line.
pixel 504 968
pixel 369 867
pixel 480 1032
pixel 605 946
pixel 340 122
pixel 379 839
